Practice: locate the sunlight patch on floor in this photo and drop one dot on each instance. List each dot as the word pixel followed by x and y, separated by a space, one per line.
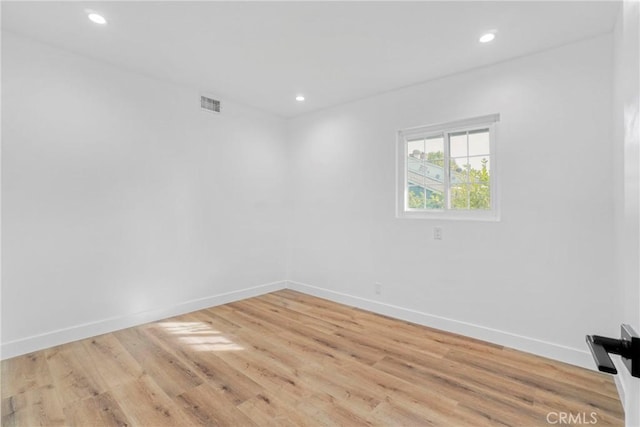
pixel 199 336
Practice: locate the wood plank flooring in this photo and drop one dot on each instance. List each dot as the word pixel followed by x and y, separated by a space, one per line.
pixel 288 359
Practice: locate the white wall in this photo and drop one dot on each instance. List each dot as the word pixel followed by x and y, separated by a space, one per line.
pixel 626 115
pixel 540 279
pixel 120 196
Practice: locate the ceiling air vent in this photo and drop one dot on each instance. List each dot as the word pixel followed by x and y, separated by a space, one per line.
pixel 209 104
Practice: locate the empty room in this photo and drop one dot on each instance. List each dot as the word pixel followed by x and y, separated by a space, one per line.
pixel 320 213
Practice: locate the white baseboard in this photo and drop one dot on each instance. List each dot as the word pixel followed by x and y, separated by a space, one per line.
pixel 519 342
pixel 554 351
pixel 91 329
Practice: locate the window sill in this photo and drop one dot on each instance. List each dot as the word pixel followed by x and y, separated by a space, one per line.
pixel 486 216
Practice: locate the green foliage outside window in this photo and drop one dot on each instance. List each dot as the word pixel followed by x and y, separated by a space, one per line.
pixel 472 194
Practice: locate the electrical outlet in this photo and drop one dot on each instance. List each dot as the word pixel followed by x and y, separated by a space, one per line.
pixel 378 288
pixel 437 233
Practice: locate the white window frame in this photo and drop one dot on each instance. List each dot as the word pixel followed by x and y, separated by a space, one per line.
pixel 444 129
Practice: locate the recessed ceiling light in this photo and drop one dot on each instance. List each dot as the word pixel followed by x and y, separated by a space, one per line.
pixel 299 98
pixel 98 19
pixel 486 38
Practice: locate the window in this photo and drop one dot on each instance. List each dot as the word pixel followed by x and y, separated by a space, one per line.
pixel 449 170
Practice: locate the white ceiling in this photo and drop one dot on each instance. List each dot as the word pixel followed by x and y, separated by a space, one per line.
pixel 264 53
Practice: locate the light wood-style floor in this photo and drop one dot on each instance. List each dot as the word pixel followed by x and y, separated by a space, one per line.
pixel 288 359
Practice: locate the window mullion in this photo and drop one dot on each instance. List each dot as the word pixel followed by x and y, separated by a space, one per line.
pixel 447 178
pixel 405 175
pixel 468 191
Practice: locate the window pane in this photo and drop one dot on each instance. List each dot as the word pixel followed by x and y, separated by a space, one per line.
pixel 415 147
pixel 434 147
pixel 480 196
pixel 458 173
pixel 459 196
pixel 435 196
pixel 425 173
pixel 417 197
pixel 479 169
pixel 479 142
pixel 429 197
pixel 458 144
pixel 415 181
